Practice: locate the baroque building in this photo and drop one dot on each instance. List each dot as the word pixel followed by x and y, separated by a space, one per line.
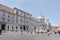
pixel 12 19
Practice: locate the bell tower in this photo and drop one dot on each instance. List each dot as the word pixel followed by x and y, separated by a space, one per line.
pixel 48 24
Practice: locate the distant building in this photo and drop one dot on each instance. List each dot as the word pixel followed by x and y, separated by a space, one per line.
pixel 16 19
pixel 56 28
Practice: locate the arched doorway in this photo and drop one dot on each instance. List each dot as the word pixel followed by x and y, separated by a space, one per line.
pixel 24 28
pixel 3 27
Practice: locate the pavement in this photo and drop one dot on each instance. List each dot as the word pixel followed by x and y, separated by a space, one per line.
pixel 27 36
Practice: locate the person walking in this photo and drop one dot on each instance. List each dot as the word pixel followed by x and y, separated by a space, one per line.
pixel 0 31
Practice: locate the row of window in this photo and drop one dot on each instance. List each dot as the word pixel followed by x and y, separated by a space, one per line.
pixel 8 20
pixel 12 27
pixel 17 21
pixel 19 13
pixel 23 14
pixel 12 16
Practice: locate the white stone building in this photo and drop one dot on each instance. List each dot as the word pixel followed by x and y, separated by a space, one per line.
pixel 16 19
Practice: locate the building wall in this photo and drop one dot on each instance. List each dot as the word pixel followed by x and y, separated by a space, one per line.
pixel 9 19
pixel 16 18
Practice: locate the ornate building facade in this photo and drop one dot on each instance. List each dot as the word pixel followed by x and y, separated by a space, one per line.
pixel 16 19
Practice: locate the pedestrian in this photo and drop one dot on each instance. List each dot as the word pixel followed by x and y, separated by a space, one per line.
pixel 0 31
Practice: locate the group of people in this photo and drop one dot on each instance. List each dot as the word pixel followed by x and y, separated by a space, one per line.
pixel 57 32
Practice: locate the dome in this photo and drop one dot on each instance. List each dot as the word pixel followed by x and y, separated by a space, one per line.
pixel 41 16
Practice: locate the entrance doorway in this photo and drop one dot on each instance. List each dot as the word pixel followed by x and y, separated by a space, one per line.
pixel 3 26
pixel 24 28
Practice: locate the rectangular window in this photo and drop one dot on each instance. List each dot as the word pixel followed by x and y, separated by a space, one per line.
pixel 3 14
pixel 25 15
pixel 8 15
pixel 12 21
pixel 19 12
pixel 8 20
pixel 16 12
pixel 21 20
pixel 16 19
pixel 3 19
pixel 13 17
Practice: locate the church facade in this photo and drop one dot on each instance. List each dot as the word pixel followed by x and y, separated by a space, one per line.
pixel 14 19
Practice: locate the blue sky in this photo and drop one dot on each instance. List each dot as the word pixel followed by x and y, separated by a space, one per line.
pixel 50 8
